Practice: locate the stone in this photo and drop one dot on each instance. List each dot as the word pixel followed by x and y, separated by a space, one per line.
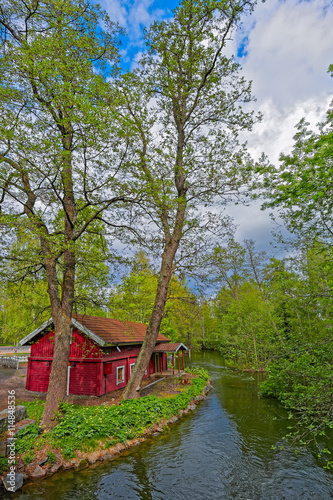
pixel 13 481
pixel 207 388
pixel 200 398
pixel 22 425
pixel 3 422
pixel 191 406
pixel 20 413
pixel 3 448
pixel 38 472
pixel 67 465
pixel 54 468
pixel 173 420
pixel 83 463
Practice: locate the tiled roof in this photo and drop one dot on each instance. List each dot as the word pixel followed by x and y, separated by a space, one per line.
pixel 115 331
pixel 169 347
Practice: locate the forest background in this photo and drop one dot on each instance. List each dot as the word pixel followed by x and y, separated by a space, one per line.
pixel 260 312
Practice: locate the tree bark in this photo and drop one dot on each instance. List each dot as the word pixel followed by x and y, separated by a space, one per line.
pixel 138 372
pixel 61 307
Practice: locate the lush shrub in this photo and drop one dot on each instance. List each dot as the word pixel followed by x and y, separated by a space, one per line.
pixel 200 372
pixel 303 382
pixel 86 427
pixel 125 421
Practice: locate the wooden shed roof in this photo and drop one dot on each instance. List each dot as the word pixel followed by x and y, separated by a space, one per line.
pixel 102 330
pixel 115 331
pixel 170 347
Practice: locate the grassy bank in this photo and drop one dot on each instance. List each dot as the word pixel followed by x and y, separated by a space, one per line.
pixel 81 430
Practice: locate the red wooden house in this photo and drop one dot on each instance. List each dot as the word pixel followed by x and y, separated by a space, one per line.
pixel 102 354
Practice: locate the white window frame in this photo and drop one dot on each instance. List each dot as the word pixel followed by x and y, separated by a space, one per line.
pixel 120 381
pixel 131 366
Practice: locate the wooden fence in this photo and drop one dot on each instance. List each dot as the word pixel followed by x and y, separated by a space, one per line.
pixel 12 361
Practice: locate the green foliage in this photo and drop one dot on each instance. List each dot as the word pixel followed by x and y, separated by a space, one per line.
pixel 246 333
pixel 28 457
pixel 122 422
pixel 26 438
pixel 3 465
pixel 84 427
pixel 277 315
pixel 300 187
pixel 133 300
pixel 51 458
pixel 304 382
pixel 34 409
pixel 200 372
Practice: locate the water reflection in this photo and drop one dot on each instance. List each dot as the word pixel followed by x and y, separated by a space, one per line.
pixel 221 451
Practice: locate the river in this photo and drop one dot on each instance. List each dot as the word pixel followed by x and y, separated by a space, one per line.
pixel 222 450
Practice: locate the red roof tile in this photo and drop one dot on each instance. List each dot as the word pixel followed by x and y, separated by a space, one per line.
pixel 169 347
pixel 115 331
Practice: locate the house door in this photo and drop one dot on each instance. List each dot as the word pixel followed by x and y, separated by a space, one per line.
pixel 157 359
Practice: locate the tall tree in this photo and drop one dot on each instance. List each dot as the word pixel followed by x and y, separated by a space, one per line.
pixel 56 137
pixel 185 121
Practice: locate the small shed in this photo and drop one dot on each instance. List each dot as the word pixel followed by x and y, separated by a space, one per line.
pixel 103 353
pixel 174 349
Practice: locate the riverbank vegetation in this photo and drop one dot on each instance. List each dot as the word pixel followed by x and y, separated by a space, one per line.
pixel 79 155
pixel 78 430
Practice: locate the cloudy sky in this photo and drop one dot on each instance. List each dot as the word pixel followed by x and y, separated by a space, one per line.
pixel 285 48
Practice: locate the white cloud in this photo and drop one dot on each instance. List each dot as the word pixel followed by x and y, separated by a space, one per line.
pixel 133 16
pixel 289 49
pixel 274 135
pixel 117 11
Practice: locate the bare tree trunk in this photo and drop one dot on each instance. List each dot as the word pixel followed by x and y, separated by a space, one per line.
pixel 58 378
pixel 62 320
pixel 134 384
pixel 61 307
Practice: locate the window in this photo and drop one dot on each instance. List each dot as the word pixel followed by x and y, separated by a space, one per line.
pixel 131 368
pixel 120 374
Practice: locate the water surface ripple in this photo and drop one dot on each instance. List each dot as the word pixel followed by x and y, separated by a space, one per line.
pixel 223 450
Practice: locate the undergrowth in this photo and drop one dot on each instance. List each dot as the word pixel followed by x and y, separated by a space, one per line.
pixel 87 428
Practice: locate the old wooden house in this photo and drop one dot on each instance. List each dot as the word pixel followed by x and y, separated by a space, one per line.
pixel 102 354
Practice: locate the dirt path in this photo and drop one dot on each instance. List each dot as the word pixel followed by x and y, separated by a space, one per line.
pixel 15 379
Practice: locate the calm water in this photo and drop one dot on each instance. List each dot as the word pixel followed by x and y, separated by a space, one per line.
pixel 223 450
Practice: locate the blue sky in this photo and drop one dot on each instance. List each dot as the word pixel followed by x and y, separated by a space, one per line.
pixel 285 48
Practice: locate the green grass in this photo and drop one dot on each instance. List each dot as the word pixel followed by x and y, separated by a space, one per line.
pixel 34 409
pixel 87 428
